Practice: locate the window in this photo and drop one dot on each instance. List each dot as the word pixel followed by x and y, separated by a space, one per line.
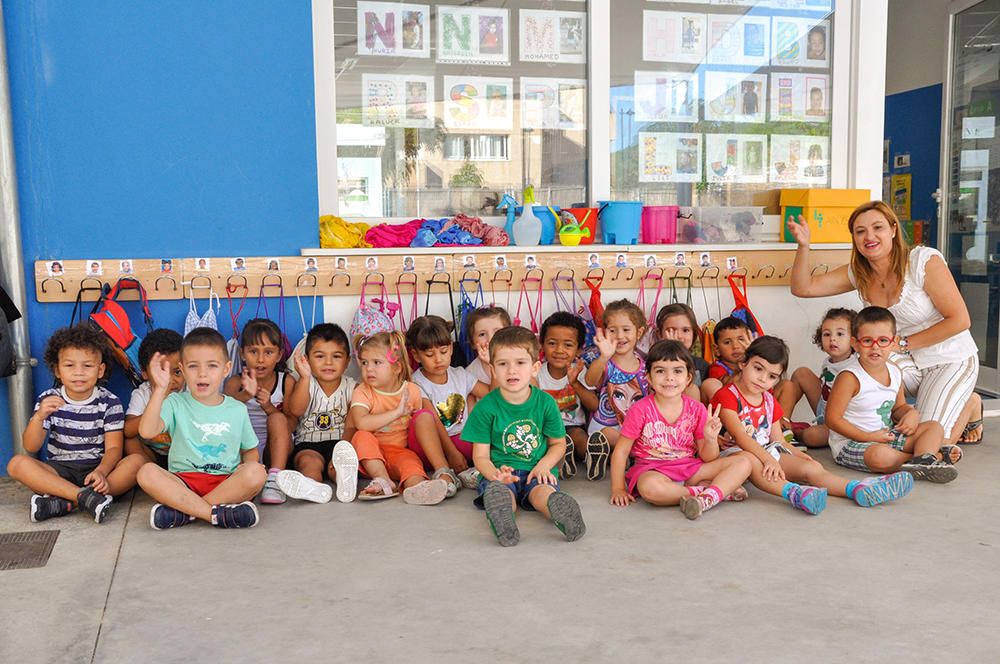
pixel 471 100
pixel 447 105
pixel 713 102
pixel 477 148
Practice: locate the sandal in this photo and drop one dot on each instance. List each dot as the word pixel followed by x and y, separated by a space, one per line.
pixel 971 427
pixel 386 487
pixel 449 476
pixel 951 454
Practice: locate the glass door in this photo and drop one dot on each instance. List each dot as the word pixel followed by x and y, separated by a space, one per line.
pixel 971 232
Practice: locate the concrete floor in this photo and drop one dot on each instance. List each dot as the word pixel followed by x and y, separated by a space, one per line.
pixel 915 581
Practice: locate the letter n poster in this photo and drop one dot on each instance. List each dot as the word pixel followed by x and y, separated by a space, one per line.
pixel 473 35
pixel 394 29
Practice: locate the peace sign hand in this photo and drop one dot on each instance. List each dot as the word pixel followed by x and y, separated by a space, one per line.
pixel 713 425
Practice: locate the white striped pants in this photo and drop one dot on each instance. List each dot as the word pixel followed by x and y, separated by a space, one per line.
pixel 941 391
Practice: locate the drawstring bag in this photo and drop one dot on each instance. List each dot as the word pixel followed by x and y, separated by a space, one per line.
pixel 233 345
pixel 466 305
pixel 578 308
pixel 368 320
pixel 708 328
pixel 534 313
pixel 111 318
pixel 209 320
pixel 406 321
pixel 493 290
pixel 300 347
pixel 649 336
pixel 286 345
pixel 696 349
pixel 742 309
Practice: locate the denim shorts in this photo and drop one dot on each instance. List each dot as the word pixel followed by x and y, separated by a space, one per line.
pixel 521 489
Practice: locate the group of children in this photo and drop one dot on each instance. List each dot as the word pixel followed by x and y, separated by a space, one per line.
pixel 669 428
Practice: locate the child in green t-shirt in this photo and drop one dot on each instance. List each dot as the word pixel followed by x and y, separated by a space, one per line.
pixel 519 440
pixel 213 469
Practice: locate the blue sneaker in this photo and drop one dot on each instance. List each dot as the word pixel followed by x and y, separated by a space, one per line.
pixel 877 490
pixel 162 517
pixel 809 499
pixel 241 515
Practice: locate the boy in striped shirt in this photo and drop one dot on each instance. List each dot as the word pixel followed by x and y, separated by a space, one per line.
pixel 82 424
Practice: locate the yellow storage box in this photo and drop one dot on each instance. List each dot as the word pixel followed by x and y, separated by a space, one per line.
pixel 825 210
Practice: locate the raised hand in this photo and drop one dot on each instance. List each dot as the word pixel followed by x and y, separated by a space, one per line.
pixel 574 370
pixel 604 343
pixel 713 425
pixel 302 366
pixel 800 231
pixel 248 381
pixel 159 371
pixel 49 405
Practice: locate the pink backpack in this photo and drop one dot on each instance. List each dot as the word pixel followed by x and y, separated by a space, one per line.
pixel 368 320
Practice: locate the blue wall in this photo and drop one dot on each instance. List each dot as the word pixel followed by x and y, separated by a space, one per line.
pixel 150 129
pixel 913 124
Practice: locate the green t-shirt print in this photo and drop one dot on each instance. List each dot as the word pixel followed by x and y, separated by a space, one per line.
pixel 206 439
pixel 516 433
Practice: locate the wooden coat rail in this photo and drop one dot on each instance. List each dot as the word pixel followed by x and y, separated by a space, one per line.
pixel 330 275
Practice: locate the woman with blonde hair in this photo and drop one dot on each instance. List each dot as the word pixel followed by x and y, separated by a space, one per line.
pixel 936 351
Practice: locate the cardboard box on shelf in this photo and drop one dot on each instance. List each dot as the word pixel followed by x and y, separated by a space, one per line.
pixel 825 210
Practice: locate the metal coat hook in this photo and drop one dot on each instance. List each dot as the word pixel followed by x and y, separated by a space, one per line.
pixel 649 274
pixel 231 287
pixel 788 268
pixel 824 266
pixel 591 271
pixel 57 280
pixel 306 275
pixel 99 286
pixel 683 273
pixel 715 275
pixel 509 279
pixel 475 279
pixel 739 271
pixel 369 275
pixel 193 284
pixel 156 284
pixel 631 273
pixel 527 275
pixel 561 277
pixel 263 282
pixel 341 274
pixel 434 279
pixel 400 281
pixel 761 269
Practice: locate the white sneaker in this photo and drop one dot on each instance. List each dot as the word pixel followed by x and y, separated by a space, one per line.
pixel 469 478
pixel 272 494
pixel 345 467
pixel 296 485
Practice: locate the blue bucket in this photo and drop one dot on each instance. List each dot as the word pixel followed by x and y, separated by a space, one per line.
pixel 620 221
pixel 550 224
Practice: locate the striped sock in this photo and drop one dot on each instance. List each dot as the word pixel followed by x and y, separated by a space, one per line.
pixel 694 490
pixel 709 497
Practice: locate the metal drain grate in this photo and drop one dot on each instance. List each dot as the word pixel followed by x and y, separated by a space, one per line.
pixel 26 550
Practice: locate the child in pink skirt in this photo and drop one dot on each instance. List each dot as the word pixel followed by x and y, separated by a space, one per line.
pixel 674 442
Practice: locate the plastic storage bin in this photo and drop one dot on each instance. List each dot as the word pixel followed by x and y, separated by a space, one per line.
pixel 659 224
pixel 620 221
pixel 720 225
pixel 825 210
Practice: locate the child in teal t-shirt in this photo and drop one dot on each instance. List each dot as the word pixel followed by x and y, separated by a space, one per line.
pixel 519 440
pixel 213 469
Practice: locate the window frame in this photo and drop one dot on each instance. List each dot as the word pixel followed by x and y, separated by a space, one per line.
pixel 858 70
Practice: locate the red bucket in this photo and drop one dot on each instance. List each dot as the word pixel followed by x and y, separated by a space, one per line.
pixel 588 219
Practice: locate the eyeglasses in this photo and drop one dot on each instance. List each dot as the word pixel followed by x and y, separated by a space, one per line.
pixel 883 342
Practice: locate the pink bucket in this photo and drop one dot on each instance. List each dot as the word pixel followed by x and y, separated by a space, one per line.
pixel 659 224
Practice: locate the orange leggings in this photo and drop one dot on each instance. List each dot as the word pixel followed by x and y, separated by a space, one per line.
pixel 401 462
